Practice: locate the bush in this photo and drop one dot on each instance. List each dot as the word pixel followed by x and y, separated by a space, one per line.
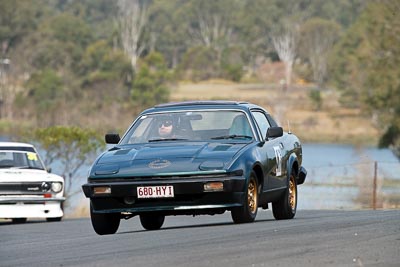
pixel 150 83
pixel 316 99
pixel 233 72
pixel 199 63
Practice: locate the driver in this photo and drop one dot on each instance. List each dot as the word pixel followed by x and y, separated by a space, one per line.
pixel 166 128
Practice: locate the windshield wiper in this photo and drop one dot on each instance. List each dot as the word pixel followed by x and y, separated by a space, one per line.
pixel 232 136
pixel 168 139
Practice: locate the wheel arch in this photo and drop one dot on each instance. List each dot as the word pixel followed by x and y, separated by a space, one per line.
pixel 292 166
pixel 257 169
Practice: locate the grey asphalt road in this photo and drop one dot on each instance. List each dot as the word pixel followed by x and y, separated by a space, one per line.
pixel 313 238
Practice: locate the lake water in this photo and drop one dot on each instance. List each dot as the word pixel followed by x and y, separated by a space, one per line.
pixel 341 177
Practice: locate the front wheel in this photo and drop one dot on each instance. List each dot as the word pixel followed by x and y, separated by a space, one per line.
pixel 285 207
pixel 248 212
pixel 104 223
pixel 151 221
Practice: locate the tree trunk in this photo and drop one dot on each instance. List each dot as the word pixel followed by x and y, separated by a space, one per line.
pixel 132 19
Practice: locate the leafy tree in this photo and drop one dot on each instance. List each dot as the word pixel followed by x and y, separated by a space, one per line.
pixel 78 41
pixel 99 56
pixel 97 14
pixel 232 64
pixel 382 85
pixel 365 66
pixel 199 63
pixel 255 30
pixel 107 73
pixel 167 30
pixel 58 43
pixel 316 99
pixel 317 39
pixel 45 90
pixel 343 12
pixel 17 19
pixel 72 146
pixel 150 83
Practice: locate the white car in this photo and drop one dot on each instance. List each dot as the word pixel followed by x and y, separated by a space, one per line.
pixel 27 189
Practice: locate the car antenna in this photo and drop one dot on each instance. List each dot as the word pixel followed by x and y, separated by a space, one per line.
pixel 288 123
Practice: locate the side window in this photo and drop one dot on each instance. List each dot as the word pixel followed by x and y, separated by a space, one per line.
pixel 272 121
pixel 262 122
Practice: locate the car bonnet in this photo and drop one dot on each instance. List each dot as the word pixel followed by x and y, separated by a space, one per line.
pixel 26 175
pixel 168 157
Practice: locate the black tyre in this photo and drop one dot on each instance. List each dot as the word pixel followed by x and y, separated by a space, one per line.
pixel 104 223
pixel 151 221
pixel 285 207
pixel 55 219
pixel 19 220
pixel 248 212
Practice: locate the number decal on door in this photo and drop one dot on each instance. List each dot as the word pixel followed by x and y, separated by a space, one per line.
pixel 278 156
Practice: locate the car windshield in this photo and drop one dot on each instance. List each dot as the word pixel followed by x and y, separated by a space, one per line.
pixel 190 126
pixel 20 160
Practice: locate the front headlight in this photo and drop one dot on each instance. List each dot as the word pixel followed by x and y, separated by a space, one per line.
pixel 56 187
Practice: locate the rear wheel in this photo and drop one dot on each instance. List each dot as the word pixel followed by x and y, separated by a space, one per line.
pixel 285 207
pixel 248 212
pixel 104 223
pixel 151 221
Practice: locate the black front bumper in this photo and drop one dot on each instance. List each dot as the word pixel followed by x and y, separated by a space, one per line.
pixel 302 176
pixel 190 196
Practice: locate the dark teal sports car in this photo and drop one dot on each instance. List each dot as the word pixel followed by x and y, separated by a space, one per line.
pixel 192 158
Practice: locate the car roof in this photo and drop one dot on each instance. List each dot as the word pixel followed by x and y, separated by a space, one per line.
pixel 14 144
pixel 199 103
pixel 202 104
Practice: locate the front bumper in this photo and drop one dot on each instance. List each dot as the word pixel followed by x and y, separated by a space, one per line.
pixel 190 197
pixel 30 207
pixel 302 176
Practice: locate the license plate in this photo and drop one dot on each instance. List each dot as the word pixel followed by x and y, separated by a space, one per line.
pixel 155 191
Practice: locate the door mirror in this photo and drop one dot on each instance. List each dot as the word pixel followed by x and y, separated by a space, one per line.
pixel 274 132
pixel 112 138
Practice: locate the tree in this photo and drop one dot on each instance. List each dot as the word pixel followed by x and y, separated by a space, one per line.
pixel 132 18
pixel 285 44
pixel 17 19
pixel 45 91
pixel 72 146
pixel 107 73
pixel 199 63
pixel 317 39
pixel 78 41
pixel 150 84
pixel 212 25
pixel 168 29
pixel 98 14
pixel 254 32
pixel 365 67
pixel 382 83
pixel 58 44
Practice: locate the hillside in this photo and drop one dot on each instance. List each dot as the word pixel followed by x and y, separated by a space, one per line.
pixel 331 124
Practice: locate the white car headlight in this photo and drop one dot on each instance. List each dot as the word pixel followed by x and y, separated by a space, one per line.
pixel 56 187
